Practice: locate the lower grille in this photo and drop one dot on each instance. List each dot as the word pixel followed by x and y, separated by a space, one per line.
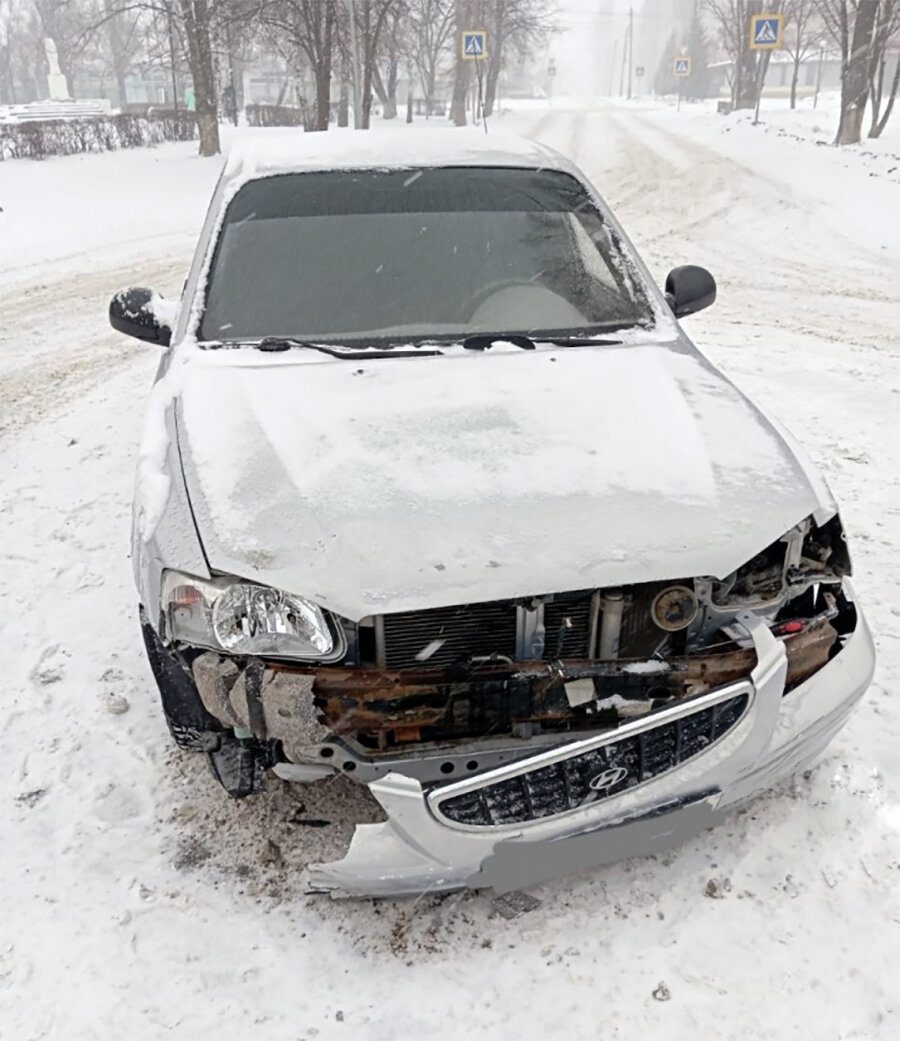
pixel 567 784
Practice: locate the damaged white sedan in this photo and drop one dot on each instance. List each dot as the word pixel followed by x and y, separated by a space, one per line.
pixel 435 493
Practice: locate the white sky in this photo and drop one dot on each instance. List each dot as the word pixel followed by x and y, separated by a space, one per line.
pixel 595 35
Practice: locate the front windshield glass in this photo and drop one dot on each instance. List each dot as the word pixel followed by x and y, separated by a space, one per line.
pixel 402 255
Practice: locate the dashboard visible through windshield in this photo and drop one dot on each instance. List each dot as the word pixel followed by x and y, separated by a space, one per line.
pixel 414 255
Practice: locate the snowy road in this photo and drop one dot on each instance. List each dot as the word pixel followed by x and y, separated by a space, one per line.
pixel 138 902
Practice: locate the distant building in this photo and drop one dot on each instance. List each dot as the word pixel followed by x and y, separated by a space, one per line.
pixel 781 71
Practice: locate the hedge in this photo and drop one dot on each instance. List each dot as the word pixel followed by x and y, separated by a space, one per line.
pixel 53 137
pixel 276 116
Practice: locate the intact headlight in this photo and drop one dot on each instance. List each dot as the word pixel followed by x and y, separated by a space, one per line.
pixel 245 618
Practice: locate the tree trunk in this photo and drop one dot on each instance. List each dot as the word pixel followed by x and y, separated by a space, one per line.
pixel 461 76
pixel 344 103
pixel 322 72
pixel 876 91
pixel 795 77
pixel 877 128
pixel 366 96
pixel 429 93
pixel 390 104
pixel 855 80
pixel 460 89
pixel 493 75
pixel 746 81
pixel 197 31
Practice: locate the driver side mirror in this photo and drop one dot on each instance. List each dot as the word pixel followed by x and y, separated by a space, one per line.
pixel 689 289
pixel 137 312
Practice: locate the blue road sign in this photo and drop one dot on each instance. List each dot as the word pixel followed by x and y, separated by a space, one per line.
pixel 765 32
pixel 474 46
pixel 682 67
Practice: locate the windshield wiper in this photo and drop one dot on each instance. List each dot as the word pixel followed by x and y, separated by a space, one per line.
pixel 285 343
pixel 526 343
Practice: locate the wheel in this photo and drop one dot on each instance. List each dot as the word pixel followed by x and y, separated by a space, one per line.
pixel 238 764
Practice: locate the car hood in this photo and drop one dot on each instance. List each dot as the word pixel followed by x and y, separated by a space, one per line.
pixel 402 484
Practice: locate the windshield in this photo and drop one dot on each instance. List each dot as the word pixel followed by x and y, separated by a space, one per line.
pixel 345 256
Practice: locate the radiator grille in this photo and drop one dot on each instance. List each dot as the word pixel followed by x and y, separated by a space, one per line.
pixel 474 629
pixel 481 629
pixel 565 785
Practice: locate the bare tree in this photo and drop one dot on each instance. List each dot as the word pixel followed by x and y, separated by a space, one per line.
pixel 67 23
pixel 463 68
pixel 887 28
pixel 851 24
pixel 511 25
pixel 310 25
pixel 125 36
pixel 429 29
pixel 392 47
pixel 732 20
pixel 371 16
pixel 799 36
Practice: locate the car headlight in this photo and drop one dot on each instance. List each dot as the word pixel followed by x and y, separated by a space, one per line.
pixel 241 617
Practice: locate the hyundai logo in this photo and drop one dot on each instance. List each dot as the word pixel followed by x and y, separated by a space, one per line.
pixel 607 778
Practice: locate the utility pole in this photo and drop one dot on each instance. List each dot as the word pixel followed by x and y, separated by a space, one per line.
pixel 630 48
pixel 612 67
pixel 624 63
pixel 356 75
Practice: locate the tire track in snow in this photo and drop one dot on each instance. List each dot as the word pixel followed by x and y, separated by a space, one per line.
pixel 777 267
pixel 59 342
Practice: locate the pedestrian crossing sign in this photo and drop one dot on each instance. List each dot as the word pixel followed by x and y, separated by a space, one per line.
pixel 474 46
pixel 766 32
pixel 682 67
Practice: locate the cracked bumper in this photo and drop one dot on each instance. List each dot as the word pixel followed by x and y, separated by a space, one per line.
pixel 415 850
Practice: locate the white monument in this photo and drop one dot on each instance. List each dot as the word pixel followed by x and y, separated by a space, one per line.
pixel 56 82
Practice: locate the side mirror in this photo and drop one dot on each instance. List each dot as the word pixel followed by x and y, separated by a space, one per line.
pixel 689 289
pixel 137 312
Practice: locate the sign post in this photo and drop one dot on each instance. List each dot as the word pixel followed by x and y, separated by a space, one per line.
pixel 766 34
pixel 681 69
pixel 473 47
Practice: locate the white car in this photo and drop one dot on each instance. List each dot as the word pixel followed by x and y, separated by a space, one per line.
pixel 436 493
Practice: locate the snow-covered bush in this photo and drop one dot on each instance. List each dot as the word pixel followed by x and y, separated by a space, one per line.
pixel 276 116
pixel 54 137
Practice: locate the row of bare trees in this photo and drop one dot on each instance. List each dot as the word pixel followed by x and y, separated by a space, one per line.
pixel 861 30
pixel 323 41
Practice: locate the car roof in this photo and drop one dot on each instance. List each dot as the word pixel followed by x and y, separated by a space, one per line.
pixel 267 152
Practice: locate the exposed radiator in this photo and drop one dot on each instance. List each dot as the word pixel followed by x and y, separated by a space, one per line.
pixel 446 635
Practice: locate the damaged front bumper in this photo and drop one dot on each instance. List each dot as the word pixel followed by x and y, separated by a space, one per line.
pixel 417 850
pixel 499 827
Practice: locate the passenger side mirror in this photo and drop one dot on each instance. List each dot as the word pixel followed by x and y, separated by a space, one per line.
pixel 689 289
pixel 136 312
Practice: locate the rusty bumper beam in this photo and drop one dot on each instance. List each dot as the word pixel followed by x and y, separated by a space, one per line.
pixel 419 704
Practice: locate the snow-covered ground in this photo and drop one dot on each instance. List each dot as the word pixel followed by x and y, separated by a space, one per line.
pixel 138 902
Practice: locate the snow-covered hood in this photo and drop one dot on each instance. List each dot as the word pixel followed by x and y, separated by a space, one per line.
pixel 400 484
